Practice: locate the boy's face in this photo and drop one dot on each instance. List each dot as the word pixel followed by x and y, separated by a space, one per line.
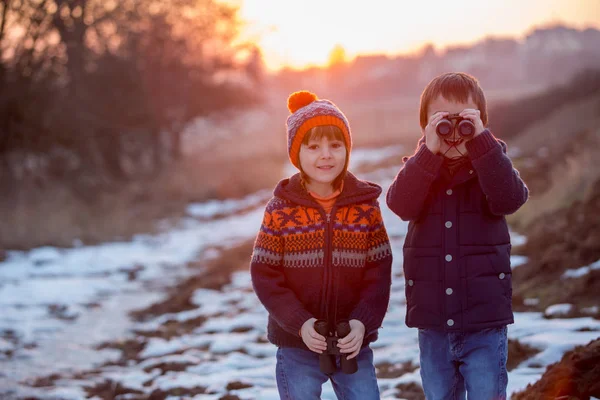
pixel 323 160
pixel 454 145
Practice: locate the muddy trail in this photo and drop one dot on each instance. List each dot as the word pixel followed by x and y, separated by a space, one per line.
pixel 193 328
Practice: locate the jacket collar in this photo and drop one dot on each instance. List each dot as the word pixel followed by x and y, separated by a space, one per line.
pixel 355 191
pixel 466 173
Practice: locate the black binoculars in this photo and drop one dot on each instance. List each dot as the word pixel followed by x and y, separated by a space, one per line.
pixel 327 359
pixel 465 127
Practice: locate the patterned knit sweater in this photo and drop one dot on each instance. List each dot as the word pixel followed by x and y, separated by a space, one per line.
pixel 308 264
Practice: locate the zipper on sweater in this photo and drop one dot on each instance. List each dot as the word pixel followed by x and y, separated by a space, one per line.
pixel 327 277
pixel 329 265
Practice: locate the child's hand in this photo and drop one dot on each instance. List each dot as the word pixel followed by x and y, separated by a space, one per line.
pixel 475 117
pixel 432 141
pixel 311 338
pixel 352 342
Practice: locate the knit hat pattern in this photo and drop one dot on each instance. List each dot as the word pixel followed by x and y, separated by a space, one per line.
pixel 308 111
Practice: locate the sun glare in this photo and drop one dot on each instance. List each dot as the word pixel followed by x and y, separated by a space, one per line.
pixel 299 34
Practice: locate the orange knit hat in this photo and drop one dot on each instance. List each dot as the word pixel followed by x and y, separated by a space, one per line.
pixel 309 111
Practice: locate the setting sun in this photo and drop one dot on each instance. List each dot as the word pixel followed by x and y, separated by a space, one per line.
pixel 299 34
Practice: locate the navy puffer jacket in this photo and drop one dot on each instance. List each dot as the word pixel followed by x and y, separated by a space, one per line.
pixel 457 249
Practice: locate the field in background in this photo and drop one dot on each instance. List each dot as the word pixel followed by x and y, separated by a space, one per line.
pixel 559 156
pixel 225 156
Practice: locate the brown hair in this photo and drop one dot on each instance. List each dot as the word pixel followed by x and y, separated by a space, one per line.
pixel 331 132
pixel 453 86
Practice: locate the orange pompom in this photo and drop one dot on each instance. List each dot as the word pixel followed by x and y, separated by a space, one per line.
pixel 300 99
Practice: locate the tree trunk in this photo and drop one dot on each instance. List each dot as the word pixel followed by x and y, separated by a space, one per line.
pixel 72 36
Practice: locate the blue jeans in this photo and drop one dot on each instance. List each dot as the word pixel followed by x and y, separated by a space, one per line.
pixel 299 376
pixel 455 364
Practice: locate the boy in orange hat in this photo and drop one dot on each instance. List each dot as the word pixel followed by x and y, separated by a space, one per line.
pixel 322 260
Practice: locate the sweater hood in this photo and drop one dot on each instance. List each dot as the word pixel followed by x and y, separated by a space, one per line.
pixel 354 191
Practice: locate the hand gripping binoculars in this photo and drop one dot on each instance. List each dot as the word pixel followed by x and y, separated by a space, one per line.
pixel 445 127
pixel 327 359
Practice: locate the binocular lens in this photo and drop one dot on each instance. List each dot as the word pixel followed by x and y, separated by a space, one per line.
pixel 444 127
pixel 465 127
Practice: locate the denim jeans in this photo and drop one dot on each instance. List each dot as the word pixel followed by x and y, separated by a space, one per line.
pixel 299 376
pixel 455 364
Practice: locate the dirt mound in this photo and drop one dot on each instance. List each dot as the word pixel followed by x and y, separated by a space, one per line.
pixel 518 352
pixel 567 239
pixel 576 376
pixel 560 219
pixel 558 160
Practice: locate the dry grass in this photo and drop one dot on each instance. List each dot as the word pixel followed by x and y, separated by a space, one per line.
pixel 570 140
pixel 59 215
pixel 226 156
pixel 395 120
pixel 571 180
pixel 383 123
pixel 557 130
pixel 230 157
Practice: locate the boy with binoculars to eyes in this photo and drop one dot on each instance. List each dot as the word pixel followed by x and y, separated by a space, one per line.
pixel 455 191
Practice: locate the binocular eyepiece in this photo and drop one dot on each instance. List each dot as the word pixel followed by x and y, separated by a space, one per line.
pixel 327 360
pixel 465 127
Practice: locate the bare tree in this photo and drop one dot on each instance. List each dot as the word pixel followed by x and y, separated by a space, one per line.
pixel 85 74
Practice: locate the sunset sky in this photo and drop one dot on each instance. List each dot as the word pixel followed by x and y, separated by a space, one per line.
pixel 298 33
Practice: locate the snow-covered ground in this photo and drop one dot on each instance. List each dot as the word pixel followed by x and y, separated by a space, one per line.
pixel 56 305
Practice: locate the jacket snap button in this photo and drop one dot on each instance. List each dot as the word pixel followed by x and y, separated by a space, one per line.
pixel 449 291
pixel 502 275
pixel 448 224
pixel 471 171
pixel 410 282
pixel 448 257
pixel 449 192
pixel 450 322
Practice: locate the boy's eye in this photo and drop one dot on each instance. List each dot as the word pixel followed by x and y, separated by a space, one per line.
pixel 313 146
pixel 336 145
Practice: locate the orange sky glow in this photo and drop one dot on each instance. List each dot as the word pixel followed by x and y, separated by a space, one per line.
pixel 302 33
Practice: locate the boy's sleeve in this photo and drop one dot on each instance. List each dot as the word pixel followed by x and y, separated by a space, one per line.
pixel 407 193
pixel 500 181
pixel 268 281
pixel 375 293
